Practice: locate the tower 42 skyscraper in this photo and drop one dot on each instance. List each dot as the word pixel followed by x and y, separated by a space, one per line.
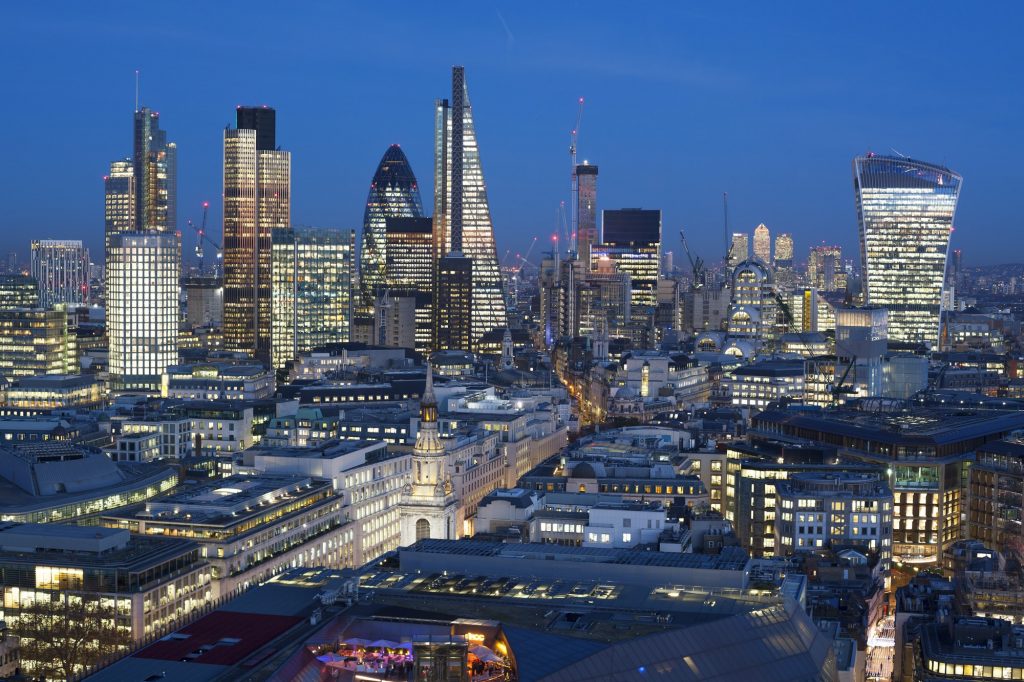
pixel 905 209
pixel 257 199
pixel 462 215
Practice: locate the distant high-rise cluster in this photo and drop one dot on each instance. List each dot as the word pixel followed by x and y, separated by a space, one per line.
pixel 825 268
pixel 905 209
pixel 142 263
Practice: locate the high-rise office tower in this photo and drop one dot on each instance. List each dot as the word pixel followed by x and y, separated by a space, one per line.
pixel 155 168
pixel 586 210
pixel 905 209
pixel 739 249
pixel 257 199
pixel 61 267
pixel 35 341
pixel 142 308
pixel 18 291
pixel 312 290
pixel 462 215
pixel 394 193
pixel 632 242
pixel 763 244
pixel 956 267
pixel 453 313
pixel 119 202
pixel 825 268
pixel 409 269
pixel 784 251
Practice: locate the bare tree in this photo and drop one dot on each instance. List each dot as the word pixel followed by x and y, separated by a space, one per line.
pixel 65 635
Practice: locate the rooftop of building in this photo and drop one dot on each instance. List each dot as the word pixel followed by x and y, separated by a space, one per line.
pixel 331 449
pixel 216 370
pixel 54 474
pixel 521 498
pixel 53 382
pixel 34 544
pixel 209 647
pixel 771 368
pixel 225 501
pixel 730 559
pixel 920 424
pixel 987 641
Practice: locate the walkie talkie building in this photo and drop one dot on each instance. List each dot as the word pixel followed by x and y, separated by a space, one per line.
pixel 905 209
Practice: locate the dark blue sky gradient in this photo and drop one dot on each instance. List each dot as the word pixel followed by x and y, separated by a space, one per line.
pixel 768 101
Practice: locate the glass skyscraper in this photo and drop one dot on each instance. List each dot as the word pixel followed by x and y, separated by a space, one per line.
pixel 312 290
pixel 784 250
pixel 763 244
pixel 905 209
pixel 410 268
pixel 142 308
pixel 61 267
pixel 462 215
pixel 257 200
pixel 155 169
pixel 119 203
pixel 632 242
pixel 394 193
pixel 586 210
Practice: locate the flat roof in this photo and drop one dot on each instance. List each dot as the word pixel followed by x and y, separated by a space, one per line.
pixel 730 559
pixel 924 425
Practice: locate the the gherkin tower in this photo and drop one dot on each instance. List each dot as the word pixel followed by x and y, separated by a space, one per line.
pixel 394 193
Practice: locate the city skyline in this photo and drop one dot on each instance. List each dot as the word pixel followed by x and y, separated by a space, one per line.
pixel 795 182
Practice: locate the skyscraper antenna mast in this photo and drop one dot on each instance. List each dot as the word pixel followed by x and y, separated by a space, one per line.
pixel 136 90
pixel 725 225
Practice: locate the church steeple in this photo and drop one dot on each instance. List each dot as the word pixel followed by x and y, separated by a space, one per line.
pixel 428 403
pixel 427 439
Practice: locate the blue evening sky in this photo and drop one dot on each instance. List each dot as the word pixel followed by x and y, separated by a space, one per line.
pixel 768 101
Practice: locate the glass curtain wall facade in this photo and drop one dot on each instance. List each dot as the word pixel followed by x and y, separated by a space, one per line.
pixel 61 268
pixel 257 199
pixel 394 193
pixel 632 243
pixel 463 216
pixel 586 209
pixel 36 342
pixel 409 266
pixel 142 308
pixel 119 201
pixel 155 171
pixel 905 210
pixel 312 290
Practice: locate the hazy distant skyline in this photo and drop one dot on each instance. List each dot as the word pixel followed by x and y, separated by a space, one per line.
pixel 769 103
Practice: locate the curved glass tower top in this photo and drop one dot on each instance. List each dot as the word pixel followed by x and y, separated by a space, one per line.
pixel 905 209
pixel 394 193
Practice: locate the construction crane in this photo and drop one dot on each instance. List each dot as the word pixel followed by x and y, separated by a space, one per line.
pixel 840 388
pixel 574 136
pixel 696 264
pixel 201 236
